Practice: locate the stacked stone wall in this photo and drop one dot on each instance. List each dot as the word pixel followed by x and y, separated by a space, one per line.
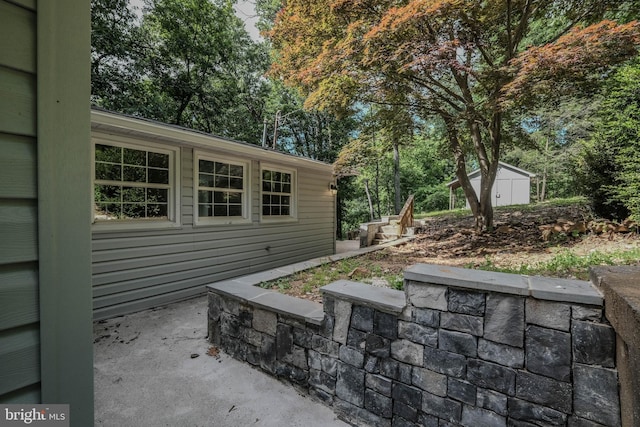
pixel 473 352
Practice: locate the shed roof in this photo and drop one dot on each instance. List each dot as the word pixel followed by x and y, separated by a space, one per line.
pixel 455 184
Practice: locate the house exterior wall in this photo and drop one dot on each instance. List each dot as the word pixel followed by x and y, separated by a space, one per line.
pixel 45 314
pixel 135 269
pixel 19 313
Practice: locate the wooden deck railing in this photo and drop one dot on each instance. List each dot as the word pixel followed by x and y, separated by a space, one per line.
pixel 405 218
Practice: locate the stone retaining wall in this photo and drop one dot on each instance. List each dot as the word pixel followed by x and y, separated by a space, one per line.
pixel 458 347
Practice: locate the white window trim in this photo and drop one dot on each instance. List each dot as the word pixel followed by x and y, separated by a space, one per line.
pixel 174 213
pixel 246 190
pixel 293 215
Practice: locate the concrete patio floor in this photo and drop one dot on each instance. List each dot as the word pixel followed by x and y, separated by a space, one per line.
pixel 151 368
pixel 146 373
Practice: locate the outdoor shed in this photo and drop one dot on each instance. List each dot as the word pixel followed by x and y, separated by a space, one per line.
pixel 175 209
pixel 511 187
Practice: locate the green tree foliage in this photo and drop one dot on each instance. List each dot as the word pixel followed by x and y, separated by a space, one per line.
pixel 310 133
pixel 115 45
pixel 185 62
pixel 609 166
pixel 471 64
pixel 367 163
pixel 549 143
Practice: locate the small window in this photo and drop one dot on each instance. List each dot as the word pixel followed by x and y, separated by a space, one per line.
pixel 133 183
pixel 277 193
pixel 221 189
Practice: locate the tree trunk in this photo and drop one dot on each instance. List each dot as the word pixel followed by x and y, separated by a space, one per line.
pixel 397 201
pixel 480 204
pixel 378 188
pixel 338 217
pixel 366 190
pixel 543 192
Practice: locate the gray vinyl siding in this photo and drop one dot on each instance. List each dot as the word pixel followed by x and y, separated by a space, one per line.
pixel 134 270
pixel 19 309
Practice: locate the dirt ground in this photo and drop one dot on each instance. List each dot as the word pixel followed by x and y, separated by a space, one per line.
pixel 517 240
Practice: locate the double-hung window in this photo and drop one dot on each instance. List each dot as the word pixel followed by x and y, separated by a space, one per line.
pixel 134 183
pixel 278 193
pixel 222 190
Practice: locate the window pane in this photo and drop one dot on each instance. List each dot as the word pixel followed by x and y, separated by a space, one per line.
pixel 157 160
pixel 266 210
pixel 235 210
pixel 266 199
pixel 158 176
pixel 133 210
pixel 220 210
pixel 157 211
pixel 133 194
pixel 107 153
pixel 108 172
pixel 205 196
pixel 134 174
pixel 222 181
pixel 205 166
pixel 134 157
pixel 284 201
pixel 277 187
pixel 222 169
pixel 235 183
pixel 235 170
pixel 266 175
pixel 286 177
pixel 220 197
pixel 284 210
pixel 108 211
pixel 275 200
pixel 235 197
pixel 205 180
pixel 277 176
pixel 157 195
pixel 275 210
pixel 205 210
pixel 286 188
pixel 266 186
pixel 106 193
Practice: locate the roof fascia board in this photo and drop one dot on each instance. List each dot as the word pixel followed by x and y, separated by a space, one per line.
pixel 473 174
pixel 106 122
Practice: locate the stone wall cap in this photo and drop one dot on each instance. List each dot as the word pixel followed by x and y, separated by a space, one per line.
pixel 309 311
pixel 564 290
pixel 468 278
pixel 383 299
pixel 306 310
pixel 236 289
pixel 545 288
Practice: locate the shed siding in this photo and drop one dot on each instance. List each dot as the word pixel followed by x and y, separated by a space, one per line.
pixel 509 188
pixel 134 270
pixel 19 313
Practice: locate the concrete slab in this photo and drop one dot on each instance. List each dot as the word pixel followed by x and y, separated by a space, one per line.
pixel 145 376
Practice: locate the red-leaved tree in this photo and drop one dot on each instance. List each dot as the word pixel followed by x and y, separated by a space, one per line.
pixel 470 63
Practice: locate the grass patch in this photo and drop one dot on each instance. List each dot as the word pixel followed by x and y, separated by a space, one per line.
pixel 362 269
pixel 568 264
pixel 463 212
